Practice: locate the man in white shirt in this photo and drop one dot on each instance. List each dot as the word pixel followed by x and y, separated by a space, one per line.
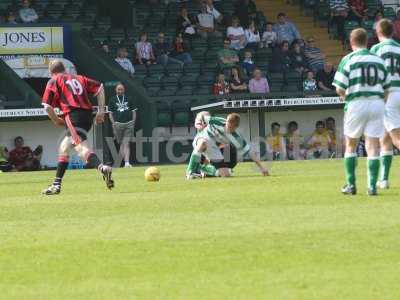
pixel 27 14
pixel 212 10
pixel 123 61
pixel 206 24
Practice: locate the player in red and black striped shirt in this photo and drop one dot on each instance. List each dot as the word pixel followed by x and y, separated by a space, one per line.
pixel 70 94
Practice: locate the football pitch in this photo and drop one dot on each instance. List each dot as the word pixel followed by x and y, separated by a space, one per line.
pixel 288 236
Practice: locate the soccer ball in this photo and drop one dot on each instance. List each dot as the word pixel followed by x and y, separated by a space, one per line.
pixel 152 174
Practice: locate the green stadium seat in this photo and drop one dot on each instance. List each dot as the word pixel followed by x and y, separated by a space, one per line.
pixel 186 90
pixel 192 68
pixel 181 113
pixel 206 80
pixel 155 69
pixel 389 13
pixel 170 81
pixel 166 92
pixel 189 79
pixel 173 69
pixel 368 24
pixel 152 80
pixel 164 118
pixel 153 91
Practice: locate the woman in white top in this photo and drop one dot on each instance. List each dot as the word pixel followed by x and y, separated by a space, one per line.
pixel 252 36
pixel 236 35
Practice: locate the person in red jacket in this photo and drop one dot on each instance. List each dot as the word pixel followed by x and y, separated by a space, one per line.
pixel 221 87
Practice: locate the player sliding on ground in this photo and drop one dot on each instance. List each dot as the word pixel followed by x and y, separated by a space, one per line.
pixel 362 81
pixel 215 138
pixel 389 51
pixel 70 94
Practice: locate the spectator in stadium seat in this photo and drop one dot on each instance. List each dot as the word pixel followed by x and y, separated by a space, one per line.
pixel 162 50
pixel 315 58
pixel 27 14
pixel 122 117
pixel 180 50
pixel 269 37
pixel 280 61
pixel 252 36
pixel 123 61
pixel 105 47
pixel 227 57
pixel 212 10
pixel 221 87
pixel 319 142
pixel 237 84
pixel 23 158
pixel 309 84
pixel 339 12
pixel 276 147
pixel 3 19
pixel 248 63
pixel 206 26
pixel 144 51
pixel 285 30
pixel 5 166
pixel 396 25
pixel 325 77
pixel 258 84
pixel 358 10
pixel 298 60
pixel 246 11
pixel 185 25
pixel 236 35
pixel 11 18
pixel 294 142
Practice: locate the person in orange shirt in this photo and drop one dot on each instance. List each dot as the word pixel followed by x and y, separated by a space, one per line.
pixel 276 148
pixel 319 143
pixel 294 142
pixel 330 125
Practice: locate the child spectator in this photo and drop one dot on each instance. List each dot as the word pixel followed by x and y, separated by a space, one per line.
pixel 27 14
pixel 144 51
pixel 276 149
pixel 180 51
pixel 221 87
pixel 237 84
pixel 258 84
pixel 248 63
pixel 236 35
pixel 319 143
pixel 123 61
pixel 269 37
pixel 309 84
pixel 252 36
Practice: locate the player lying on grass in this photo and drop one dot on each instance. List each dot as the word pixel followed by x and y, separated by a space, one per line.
pixel 217 136
pixel 389 51
pixel 70 94
pixel 362 81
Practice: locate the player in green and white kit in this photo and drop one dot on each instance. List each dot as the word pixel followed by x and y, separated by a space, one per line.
pixel 362 80
pixel 389 51
pixel 214 137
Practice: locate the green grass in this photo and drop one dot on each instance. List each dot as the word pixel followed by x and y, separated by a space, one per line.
pixel 288 236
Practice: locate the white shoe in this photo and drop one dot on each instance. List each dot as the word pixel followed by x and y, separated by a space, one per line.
pixel 194 176
pixel 128 165
pixel 383 184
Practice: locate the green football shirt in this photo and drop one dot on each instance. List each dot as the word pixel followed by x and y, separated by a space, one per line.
pixel 362 75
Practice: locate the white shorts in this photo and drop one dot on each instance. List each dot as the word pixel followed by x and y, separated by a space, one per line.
pixel 392 111
pixel 364 117
pixel 213 152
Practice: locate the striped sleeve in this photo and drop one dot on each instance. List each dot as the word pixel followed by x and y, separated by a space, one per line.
pixel 341 79
pixel 240 143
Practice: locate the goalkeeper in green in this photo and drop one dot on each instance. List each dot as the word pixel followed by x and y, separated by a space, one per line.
pixel 216 139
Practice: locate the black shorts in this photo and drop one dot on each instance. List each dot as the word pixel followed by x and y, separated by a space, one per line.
pixel 79 122
pixel 230 158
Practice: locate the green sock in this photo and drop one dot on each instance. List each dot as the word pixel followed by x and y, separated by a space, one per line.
pixel 373 171
pixel 386 162
pixel 209 170
pixel 194 163
pixel 350 163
